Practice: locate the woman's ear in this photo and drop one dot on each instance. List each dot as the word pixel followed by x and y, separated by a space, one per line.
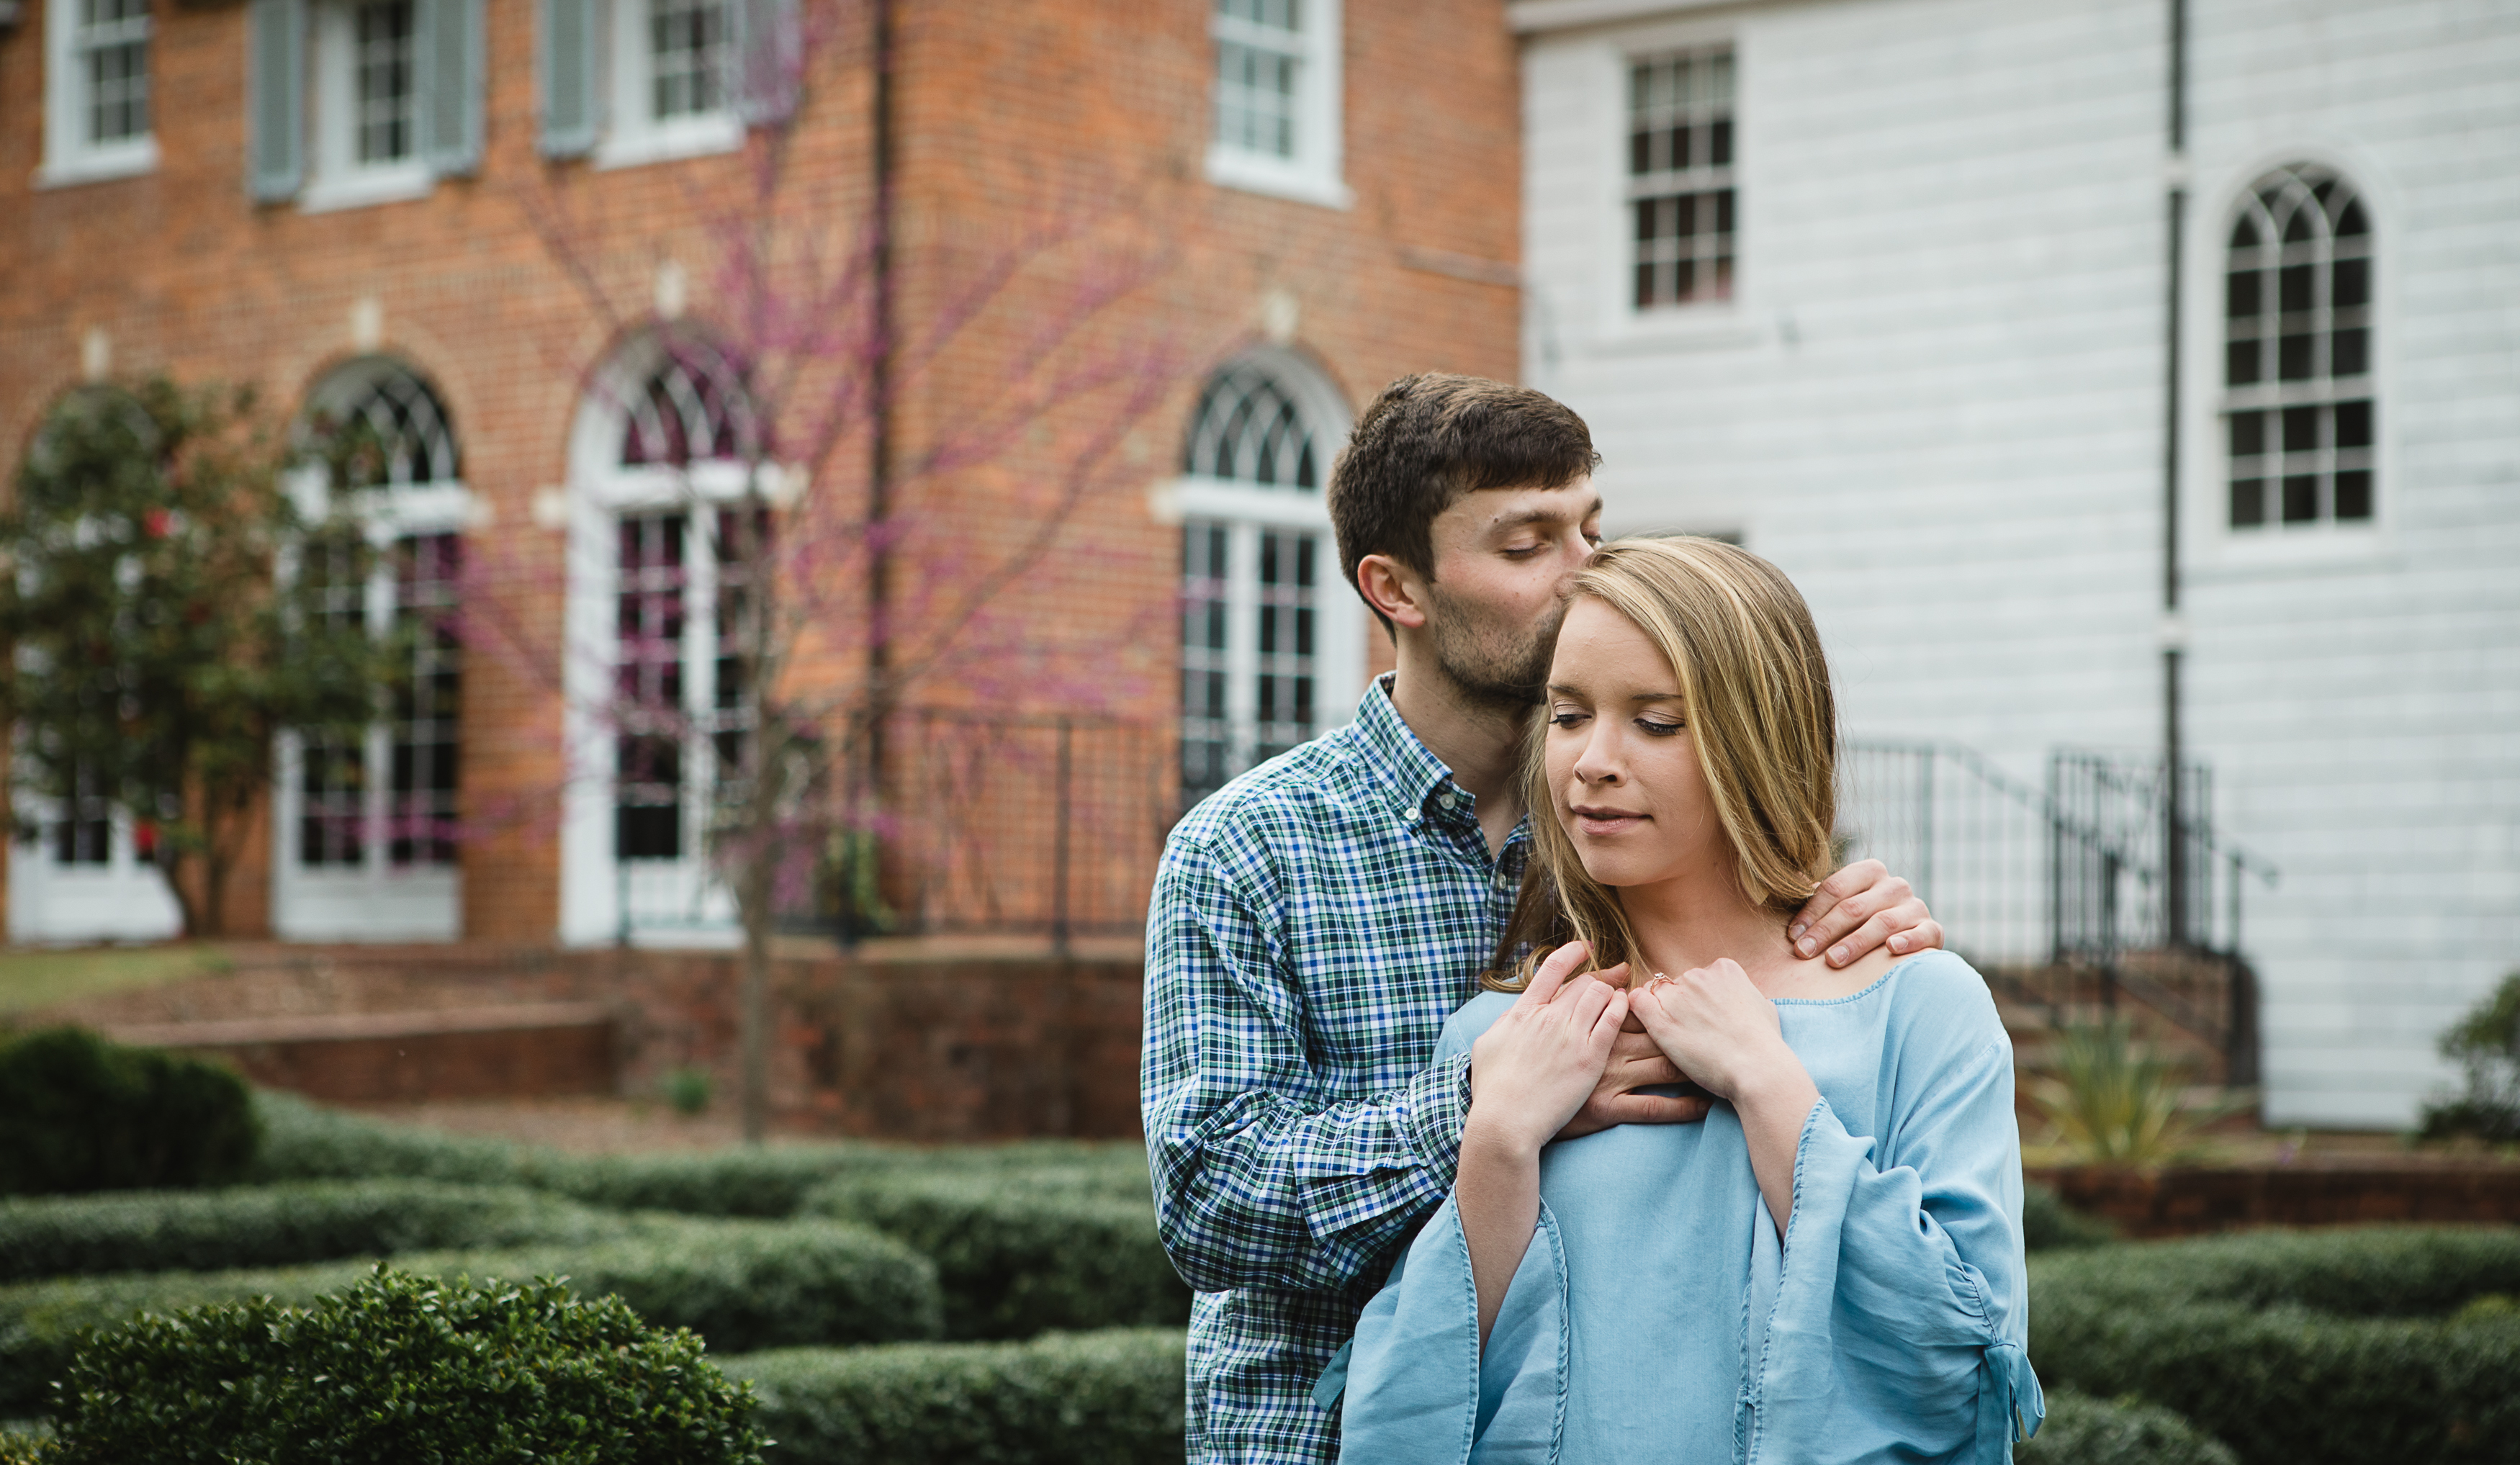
pixel 1392 588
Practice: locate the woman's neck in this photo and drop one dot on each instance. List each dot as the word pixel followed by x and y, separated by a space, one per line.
pixel 1697 919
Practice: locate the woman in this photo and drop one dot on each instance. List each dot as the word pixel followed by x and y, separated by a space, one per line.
pixel 1829 1269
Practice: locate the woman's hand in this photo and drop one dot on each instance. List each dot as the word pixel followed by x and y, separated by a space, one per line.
pixel 1537 1065
pixel 1713 1022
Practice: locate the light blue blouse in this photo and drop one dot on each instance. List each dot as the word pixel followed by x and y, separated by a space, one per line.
pixel 1656 1318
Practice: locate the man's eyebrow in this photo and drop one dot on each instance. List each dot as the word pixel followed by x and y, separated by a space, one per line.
pixel 1547 516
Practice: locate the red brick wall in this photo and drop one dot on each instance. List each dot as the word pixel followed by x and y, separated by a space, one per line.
pixel 1014 116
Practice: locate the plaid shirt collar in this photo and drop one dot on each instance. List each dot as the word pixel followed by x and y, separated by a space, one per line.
pixel 1417 782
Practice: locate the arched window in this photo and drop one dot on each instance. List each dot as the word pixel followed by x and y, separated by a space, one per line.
pixel 1264 660
pixel 692 407
pixel 667 439
pixel 2297 398
pixel 368 831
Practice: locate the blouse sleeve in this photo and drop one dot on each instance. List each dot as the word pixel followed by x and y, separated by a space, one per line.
pixel 1899 1292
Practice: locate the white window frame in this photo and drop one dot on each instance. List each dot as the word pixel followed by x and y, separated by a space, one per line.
pixel 1617 326
pixel 633 133
pixel 70 157
pixel 1248 509
pixel 334 177
pixel 1314 174
pixel 601 491
pixel 2220 553
pixel 124 899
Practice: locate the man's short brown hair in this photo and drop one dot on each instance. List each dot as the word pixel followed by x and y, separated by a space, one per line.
pixel 1429 439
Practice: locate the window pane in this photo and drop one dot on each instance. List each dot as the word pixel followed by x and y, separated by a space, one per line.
pixel 2352 351
pixel 383 65
pixel 2353 425
pixel 2300 498
pixel 2300 429
pixel 2240 294
pixel 686 65
pixel 2248 502
pixel 421 806
pixel 2248 433
pixel 2353 283
pixel 2354 494
pixel 1681 163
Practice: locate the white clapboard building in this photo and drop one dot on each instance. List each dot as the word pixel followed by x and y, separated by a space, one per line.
pixel 2066 354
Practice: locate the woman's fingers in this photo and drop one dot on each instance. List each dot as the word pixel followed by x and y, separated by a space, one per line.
pixel 1560 965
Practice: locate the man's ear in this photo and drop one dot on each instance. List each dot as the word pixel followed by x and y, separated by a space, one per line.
pixel 1394 590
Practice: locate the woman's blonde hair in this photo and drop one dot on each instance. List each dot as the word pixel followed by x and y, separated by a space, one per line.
pixel 1755 689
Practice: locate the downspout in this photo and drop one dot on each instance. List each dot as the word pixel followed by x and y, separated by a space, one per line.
pixel 2174 625
pixel 876 704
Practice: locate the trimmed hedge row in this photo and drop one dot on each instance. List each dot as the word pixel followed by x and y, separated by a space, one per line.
pixel 2300 1348
pixel 78 1113
pixel 1076 1398
pixel 305 1142
pixel 2085 1430
pixel 742 1285
pixel 280 1226
pixel 401 1367
pixel 1020 1255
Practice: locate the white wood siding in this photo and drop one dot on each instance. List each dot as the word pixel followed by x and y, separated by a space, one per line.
pixel 1937 402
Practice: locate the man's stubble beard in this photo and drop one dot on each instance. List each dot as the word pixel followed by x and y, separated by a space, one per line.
pixel 1482 660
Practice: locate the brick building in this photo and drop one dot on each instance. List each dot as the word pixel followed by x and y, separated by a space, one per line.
pixel 511 235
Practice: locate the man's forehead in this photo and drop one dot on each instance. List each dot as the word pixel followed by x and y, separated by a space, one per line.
pixel 1485 508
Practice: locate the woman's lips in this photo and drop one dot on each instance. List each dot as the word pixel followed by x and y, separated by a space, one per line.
pixel 1600 823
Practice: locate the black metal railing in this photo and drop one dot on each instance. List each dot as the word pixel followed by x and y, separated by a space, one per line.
pixel 2094 888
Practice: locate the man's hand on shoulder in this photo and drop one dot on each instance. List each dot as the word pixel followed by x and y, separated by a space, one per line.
pixel 1859 908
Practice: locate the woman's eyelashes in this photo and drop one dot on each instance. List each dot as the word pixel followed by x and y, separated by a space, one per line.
pixel 1657 728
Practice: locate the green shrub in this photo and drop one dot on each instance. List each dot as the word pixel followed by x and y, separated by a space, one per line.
pixel 80 1114
pixel 1079 1398
pixel 741 1284
pixel 2085 1430
pixel 400 1367
pixel 311 1143
pixel 2484 1044
pixel 2047 1223
pixel 25 1450
pixel 2299 1347
pixel 278 1226
pixel 1023 1252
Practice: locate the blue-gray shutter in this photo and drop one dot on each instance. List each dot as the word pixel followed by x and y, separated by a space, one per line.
pixel 447 71
pixel 766 52
pixel 571 80
pixel 276 115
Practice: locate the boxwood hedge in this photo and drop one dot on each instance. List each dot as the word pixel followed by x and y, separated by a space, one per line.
pixel 1109 1397
pixel 2300 1346
pixel 305 1142
pixel 2085 1430
pixel 279 1225
pixel 400 1367
pixel 78 1113
pixel 1023 1254
pixel 742 1285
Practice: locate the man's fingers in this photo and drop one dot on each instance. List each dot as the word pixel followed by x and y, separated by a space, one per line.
pixel 1849 916
pixel 1645 1109
pixel 1924 936
pixel 1606 1026
pixel 1591 1001
pixel 1884 928
pixel 1837 887
pixel 1644 1073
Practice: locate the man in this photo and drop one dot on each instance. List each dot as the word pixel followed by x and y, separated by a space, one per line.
pixel 1317 920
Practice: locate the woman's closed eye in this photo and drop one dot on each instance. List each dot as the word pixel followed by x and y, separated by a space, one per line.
pixel 1658 728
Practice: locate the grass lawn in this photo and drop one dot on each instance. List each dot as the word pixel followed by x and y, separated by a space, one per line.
pixel 35 978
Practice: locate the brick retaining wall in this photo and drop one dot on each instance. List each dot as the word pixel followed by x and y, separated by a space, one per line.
pixel 2181 1202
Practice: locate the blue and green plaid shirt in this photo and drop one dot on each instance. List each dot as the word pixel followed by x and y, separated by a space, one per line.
pixel 1314 923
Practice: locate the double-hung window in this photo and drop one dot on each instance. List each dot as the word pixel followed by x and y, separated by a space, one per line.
pixel 96 86
pixel 354 101
pixel 1682 197
pixel 1276 107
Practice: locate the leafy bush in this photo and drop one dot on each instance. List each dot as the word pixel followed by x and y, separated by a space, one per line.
pixel 278 1226
pixel 1022 1253
pixel 2486 1046
pixel 2085 1430
pixel 80 1114
pixel 2299 1347
pixel 1079 1398
pixel 2114 1101
pixel 2047 1223
pixel 311 1143
pixel 741 1284
pixel 24 1450
pixel 401 1367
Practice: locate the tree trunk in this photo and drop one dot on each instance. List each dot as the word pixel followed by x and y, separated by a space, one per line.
pixel 756 1003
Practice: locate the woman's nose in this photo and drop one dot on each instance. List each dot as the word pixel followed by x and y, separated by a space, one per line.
pixel 1595 764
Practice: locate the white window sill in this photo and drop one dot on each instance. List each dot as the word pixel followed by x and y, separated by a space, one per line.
pixel 362 187
pixel 664 142
pixel 1231 168
pixel 1716 326
pixel 2277 550
pixel 100 164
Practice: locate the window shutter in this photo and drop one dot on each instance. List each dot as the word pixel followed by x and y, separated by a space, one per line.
pixel 766 57
pixel 572 101
pixel 276 150
pixel 448 72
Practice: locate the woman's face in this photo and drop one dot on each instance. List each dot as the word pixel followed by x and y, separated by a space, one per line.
pixel 1623 775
